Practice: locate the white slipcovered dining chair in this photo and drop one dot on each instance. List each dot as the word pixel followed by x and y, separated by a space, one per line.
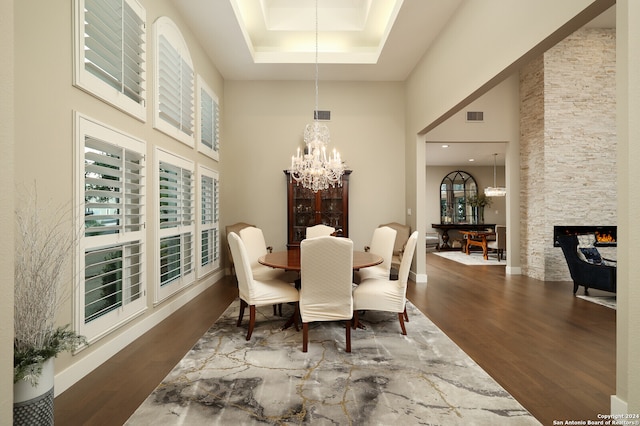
pixel 325 292
pixel 319 231
pixel 403 232
pixel 253 239
pixel 382 243
pixel 254 292
pixel 500 243
pixel 376 294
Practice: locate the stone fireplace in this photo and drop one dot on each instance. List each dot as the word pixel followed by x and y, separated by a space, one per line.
pixel 567 147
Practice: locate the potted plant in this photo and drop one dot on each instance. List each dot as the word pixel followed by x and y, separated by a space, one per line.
pixel 44 246
pixel 478 203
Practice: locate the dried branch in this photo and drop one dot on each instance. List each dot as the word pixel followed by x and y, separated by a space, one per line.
pixel 44 246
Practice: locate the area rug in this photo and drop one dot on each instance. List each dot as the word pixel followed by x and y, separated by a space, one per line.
pixel 608 301
pixel 421 378
pixel 473 259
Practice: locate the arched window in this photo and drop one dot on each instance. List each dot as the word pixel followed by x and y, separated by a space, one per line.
pixel 455 190
pixel 174 106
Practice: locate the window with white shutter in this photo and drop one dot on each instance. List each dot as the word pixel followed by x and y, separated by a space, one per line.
pixel 176 223
pixel 209 234
pixel 111 192
pixel 174 106
pixel 110 53
pixel 209 119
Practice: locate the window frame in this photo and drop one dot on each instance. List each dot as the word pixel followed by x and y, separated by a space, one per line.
pixel 204 91
pixel 114 318
pixel 165 28
pixel 180 230
pixel 95 86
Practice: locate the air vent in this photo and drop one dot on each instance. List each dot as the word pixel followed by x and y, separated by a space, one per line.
pixel 322 115
pixel 475 116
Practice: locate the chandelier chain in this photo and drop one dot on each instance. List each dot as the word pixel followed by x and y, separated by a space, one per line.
pixel 313 168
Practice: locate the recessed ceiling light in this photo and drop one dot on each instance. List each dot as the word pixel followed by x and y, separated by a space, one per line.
pixel 445 146
pixel 472 159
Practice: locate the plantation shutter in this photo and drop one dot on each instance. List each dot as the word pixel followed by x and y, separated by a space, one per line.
pixel 176 196
pixel 210 121
pixel 113 188
pixel 176 80
pixel 209 217
pixel 114 46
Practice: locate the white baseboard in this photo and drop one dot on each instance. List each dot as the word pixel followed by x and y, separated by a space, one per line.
pixel 69 376
pixel 513 270
pixel 618 406
pixel 418 278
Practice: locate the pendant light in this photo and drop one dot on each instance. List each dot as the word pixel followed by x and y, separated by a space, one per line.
pixel 495 191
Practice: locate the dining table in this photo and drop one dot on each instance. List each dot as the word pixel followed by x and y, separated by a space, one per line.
pixel 289 260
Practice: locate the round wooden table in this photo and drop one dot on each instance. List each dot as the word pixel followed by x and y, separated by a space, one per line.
pixel 290 260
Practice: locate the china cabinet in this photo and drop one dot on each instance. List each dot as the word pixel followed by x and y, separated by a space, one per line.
pixel 307 208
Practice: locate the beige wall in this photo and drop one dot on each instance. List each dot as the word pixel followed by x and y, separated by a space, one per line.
pixel 44 145
pixel 263 126
pixel 6 212
pixel 628 108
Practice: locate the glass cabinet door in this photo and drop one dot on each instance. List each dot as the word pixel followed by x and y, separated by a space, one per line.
pixel 304 211
pixel 331 207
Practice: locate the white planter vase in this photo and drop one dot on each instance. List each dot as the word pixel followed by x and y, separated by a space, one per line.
pixel 33 405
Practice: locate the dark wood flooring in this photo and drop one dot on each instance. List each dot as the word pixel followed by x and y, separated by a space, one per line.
pixel 553 352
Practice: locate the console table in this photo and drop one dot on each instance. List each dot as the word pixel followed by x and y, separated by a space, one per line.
pixel 444 229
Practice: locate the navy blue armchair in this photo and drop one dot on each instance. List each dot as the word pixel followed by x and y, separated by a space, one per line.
pixel 588 275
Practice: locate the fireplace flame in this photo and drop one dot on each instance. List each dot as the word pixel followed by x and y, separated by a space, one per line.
pixel 604 238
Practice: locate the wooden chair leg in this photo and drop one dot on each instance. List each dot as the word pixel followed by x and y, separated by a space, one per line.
pixel 355 319
pixel 401 318
pixel 243 304
pixel 406 316
pixel 296 316
pixel 252 320
pixel 348 336
pixel 305 336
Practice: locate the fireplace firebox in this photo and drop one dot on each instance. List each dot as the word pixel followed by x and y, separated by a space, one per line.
pixel 605 235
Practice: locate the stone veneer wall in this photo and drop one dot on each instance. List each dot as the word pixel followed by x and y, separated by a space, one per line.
pixel 567 146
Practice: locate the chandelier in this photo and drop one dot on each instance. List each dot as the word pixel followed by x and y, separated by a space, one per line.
pixel 313 169
pixel 495 191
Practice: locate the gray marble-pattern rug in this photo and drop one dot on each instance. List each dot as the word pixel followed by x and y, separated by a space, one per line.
pixel 608 301
pixel 421 378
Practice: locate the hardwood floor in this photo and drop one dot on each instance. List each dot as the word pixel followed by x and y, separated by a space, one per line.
pixel 553 352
